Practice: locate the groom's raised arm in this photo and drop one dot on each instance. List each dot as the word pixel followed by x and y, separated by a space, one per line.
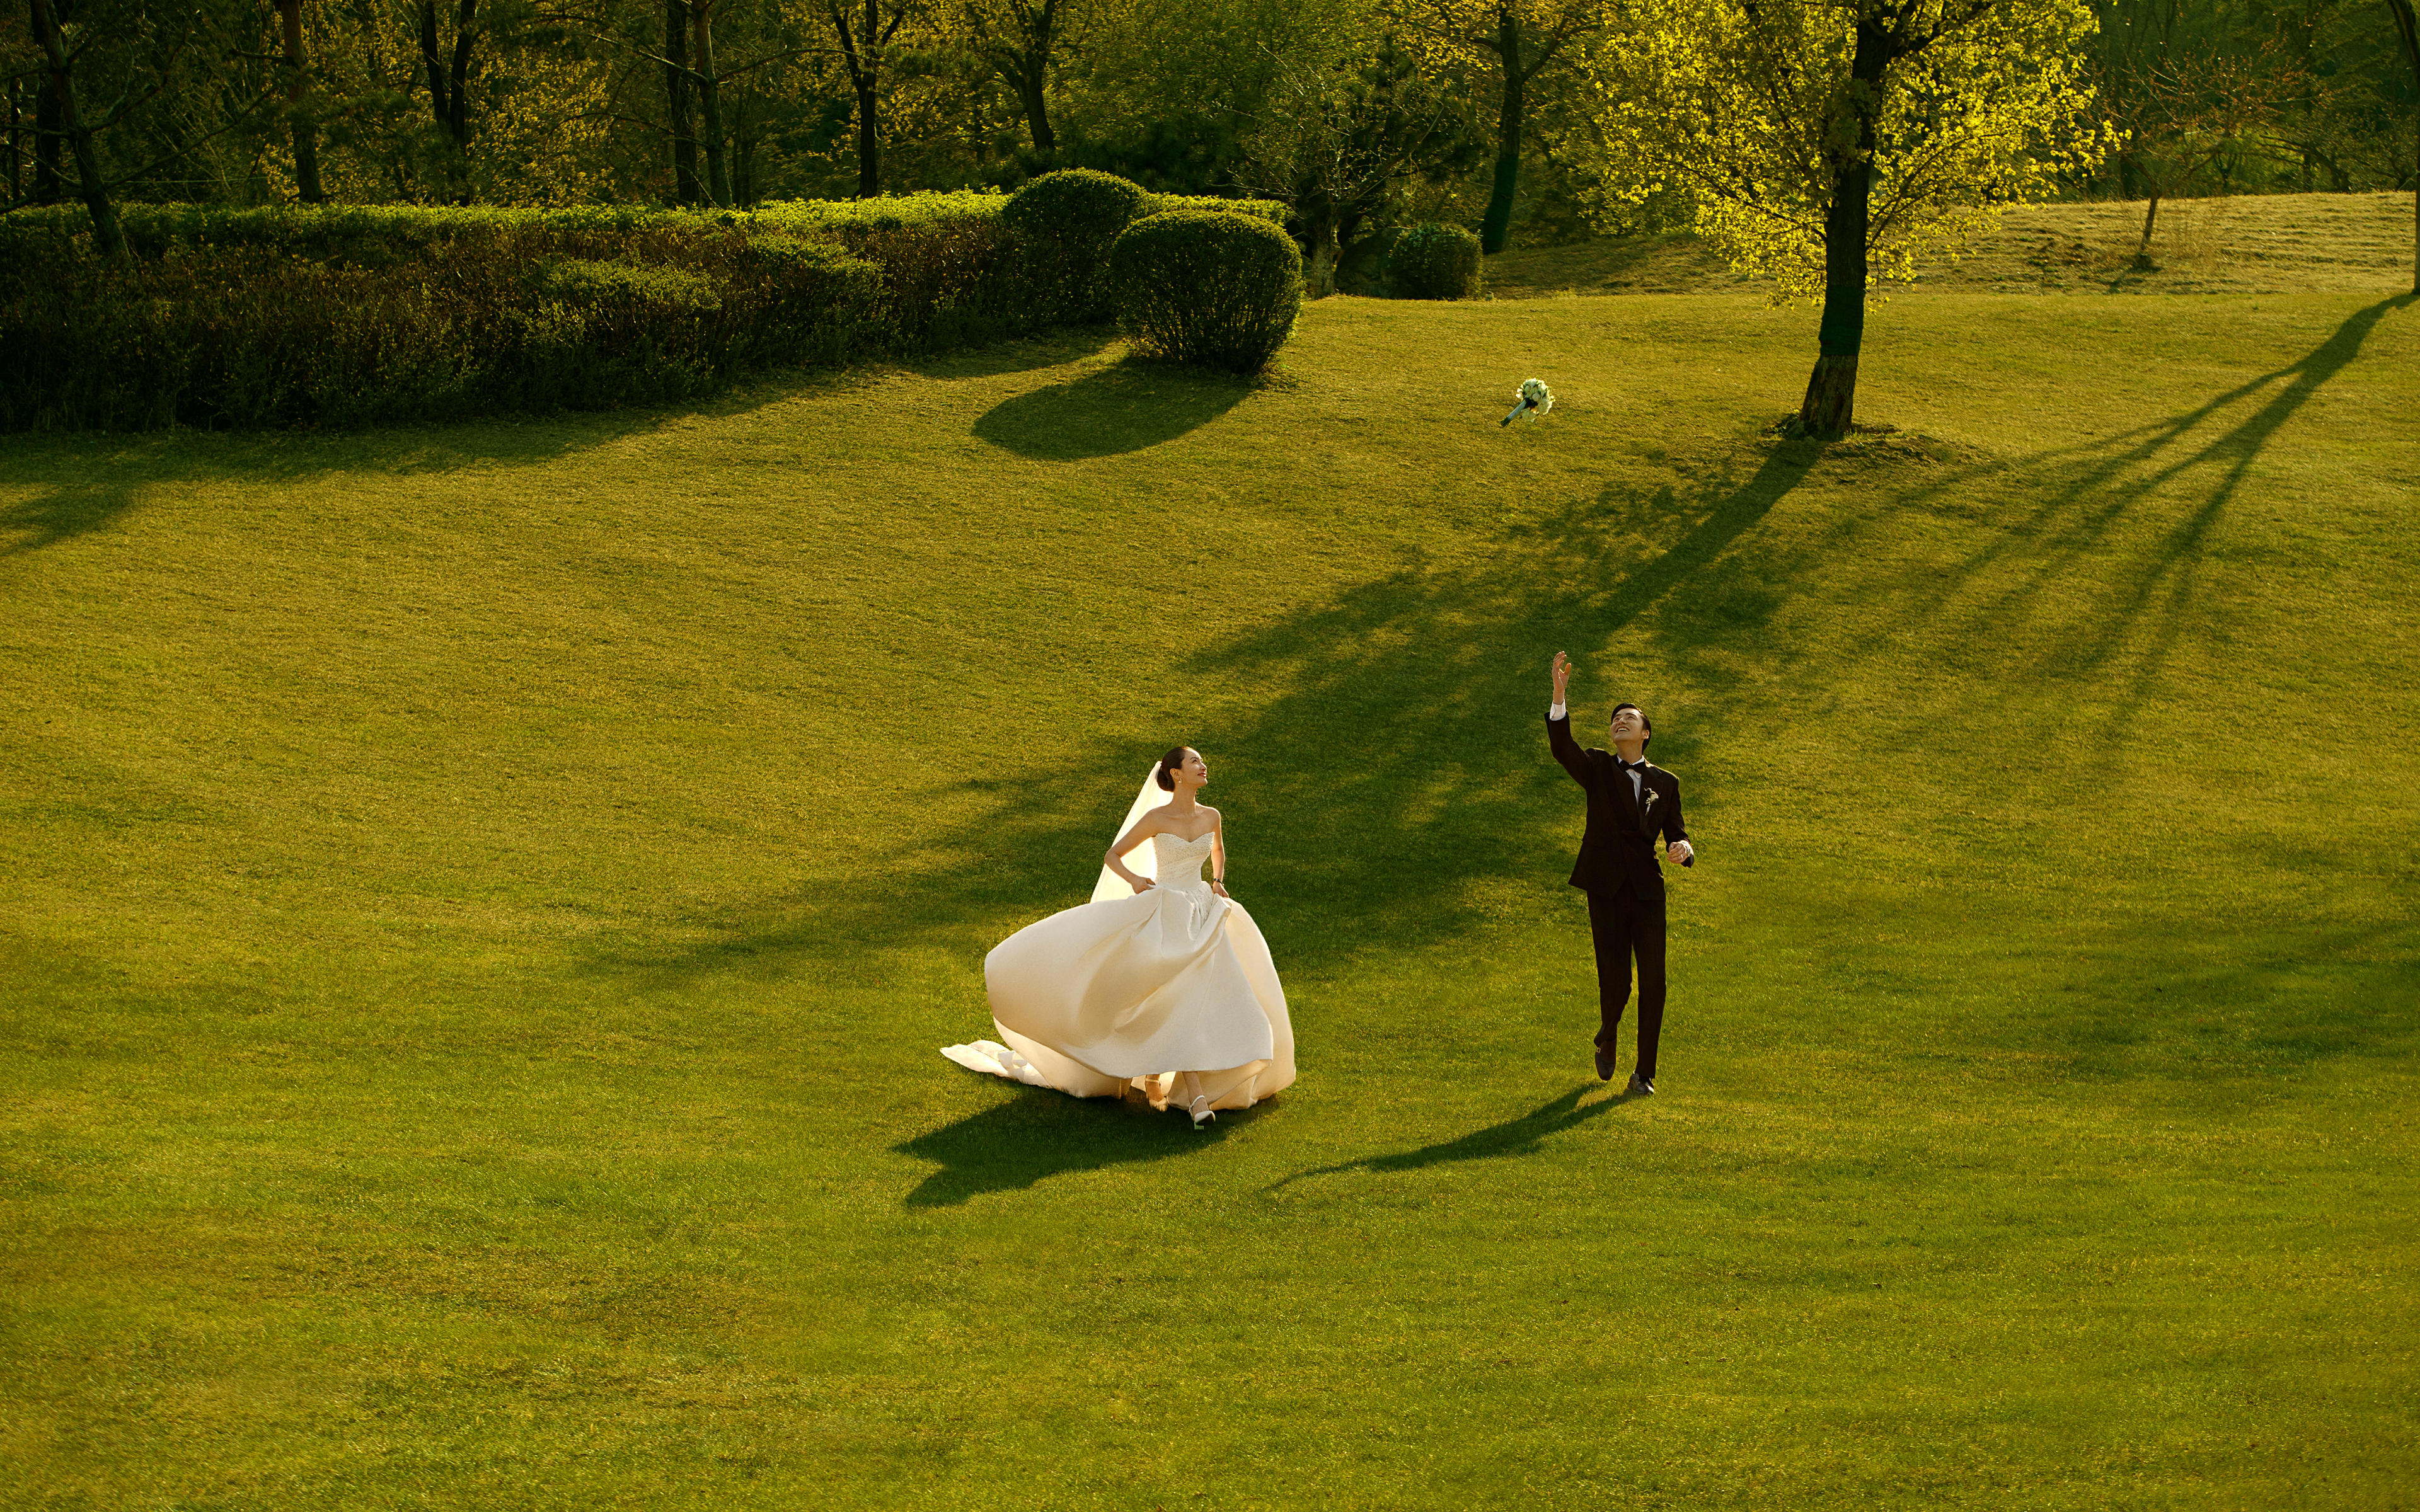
pixel 1559 726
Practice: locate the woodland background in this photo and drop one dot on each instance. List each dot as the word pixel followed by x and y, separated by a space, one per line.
pixel 1476 111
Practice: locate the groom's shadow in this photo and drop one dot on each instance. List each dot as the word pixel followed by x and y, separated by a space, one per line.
pixel 1036 1134
pixel 1522 1135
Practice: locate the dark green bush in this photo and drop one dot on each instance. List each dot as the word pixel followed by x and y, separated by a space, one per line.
pixel 1076 204
pixel 1069 220
pixel 1434 261
pixel 1207 287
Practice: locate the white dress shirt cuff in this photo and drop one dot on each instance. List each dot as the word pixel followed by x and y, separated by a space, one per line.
pixel 1556 712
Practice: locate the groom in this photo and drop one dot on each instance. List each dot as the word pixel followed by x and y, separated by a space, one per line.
pixel 1630 803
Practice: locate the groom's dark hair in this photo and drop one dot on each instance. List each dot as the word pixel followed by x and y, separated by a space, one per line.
pixel 1644 723
pixel 1175 759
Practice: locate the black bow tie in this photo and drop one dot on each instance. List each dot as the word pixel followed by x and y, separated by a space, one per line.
pixel 1634 768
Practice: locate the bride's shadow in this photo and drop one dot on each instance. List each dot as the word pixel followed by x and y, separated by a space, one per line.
pixel 1038 1134
pixel 1522 1135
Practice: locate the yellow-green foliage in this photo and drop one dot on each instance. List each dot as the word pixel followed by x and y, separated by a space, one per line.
pixel 1736 104
pixel 596 283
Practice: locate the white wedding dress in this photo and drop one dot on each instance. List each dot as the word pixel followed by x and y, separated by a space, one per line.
pixel 1131 988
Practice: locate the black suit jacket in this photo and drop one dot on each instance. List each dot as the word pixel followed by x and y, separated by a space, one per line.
pixel 1619 849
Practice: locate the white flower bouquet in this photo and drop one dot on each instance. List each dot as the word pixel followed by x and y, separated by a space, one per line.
pixel 1535 397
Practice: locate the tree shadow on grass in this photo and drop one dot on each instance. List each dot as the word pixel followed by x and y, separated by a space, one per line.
pixel 1036 1134
pixel 1524 1135
pixel 2147 480
pixel 1379 752
pixel 68 510
pixel 1440 679
pixel 1124 408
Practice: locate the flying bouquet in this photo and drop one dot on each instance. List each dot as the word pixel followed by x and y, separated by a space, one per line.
pixel 1536 400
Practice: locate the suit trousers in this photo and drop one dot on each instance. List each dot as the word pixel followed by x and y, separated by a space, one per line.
pixel 1625 928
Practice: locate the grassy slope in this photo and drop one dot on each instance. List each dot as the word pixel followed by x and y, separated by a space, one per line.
pixel 2247 244
pixel 480 904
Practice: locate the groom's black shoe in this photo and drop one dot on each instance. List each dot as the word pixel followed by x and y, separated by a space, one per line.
pixel 1640 1087
pixel 1605 1065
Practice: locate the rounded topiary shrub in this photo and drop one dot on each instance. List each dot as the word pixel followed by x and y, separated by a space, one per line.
pixel 1075 205
pixel 1068 221
pixel 1434 261
pixel 1207 287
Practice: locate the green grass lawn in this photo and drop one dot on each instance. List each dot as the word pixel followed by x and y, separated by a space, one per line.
pixel 478 907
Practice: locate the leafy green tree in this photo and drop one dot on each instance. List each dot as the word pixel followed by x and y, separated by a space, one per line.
pixel 448 72
pixel 1823 141
pixel 679 119
pixel 1020 42
pixel 298 91
pixel 1168 91
pixel 1520 40
pixel 1337 139
pixel 61 49
pixel 867 30
pixel 2180 108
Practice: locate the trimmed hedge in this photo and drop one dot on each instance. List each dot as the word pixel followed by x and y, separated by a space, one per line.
pixel 1069 219
pixel 1434 261
pixel 376 315
pixel 1207 287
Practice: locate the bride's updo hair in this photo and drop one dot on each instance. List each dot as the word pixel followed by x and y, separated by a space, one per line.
pixel 1167 765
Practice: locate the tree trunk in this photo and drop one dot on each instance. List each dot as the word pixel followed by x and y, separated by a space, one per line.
pixel 50 178
pixel 1033 76
pixel 869 141
pixel 1498 220
pixel 449 83
pixel 709 101
pixel 16 134
pixel 676 102
pixel 862 56
pixel 2142 263
pixel 868 78
pixel 105 232
pixel 2407 25
pixel 1319 228
pixel 298 88
pixel 1831 403
pixel 466 35
pixel 434 62
pixel 1037 110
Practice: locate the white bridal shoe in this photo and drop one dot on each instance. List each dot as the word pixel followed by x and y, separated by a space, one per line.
pixel 1201 1111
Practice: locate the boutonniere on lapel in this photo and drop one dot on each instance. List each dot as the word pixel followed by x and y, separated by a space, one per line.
pixel 1652 797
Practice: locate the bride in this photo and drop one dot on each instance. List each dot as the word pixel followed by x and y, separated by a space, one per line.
pixel 1162 981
